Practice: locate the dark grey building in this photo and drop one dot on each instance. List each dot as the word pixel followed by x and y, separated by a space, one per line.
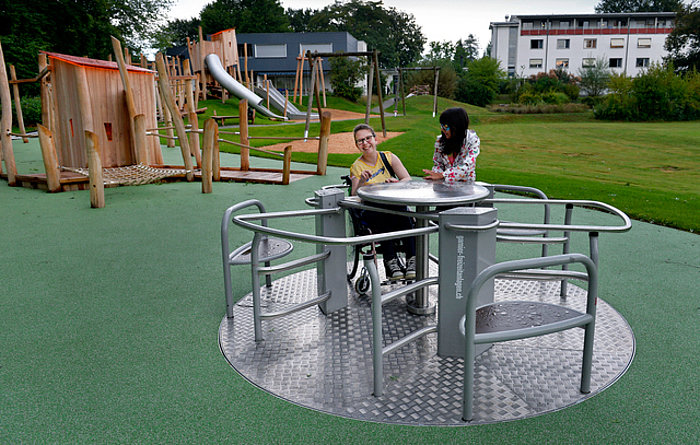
pixel 275 54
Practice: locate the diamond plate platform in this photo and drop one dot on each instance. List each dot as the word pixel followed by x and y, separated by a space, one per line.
pixel 325 362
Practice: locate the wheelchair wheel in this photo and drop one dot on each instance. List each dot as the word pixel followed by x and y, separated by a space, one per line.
pixel 362 284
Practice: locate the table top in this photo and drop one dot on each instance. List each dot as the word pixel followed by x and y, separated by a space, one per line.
pixel 422 192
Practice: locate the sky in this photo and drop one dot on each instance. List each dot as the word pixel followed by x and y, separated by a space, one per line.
pixel 439 19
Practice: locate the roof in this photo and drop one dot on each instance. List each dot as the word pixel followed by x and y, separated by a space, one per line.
pixel 94 63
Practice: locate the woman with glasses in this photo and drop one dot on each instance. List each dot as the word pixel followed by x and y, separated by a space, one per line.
pixel 371 168
pixel 456 149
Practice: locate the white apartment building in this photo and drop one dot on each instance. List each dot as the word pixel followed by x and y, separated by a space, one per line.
pixel 629 42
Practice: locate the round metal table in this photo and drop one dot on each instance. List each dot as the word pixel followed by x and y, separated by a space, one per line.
pixel 422 194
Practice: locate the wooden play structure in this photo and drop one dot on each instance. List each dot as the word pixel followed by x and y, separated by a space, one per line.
pixel 100 129
pixel 315 59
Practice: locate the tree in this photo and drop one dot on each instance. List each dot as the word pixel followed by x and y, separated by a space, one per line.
pixel 245 16
pixel 76 27
pixel 465 52
pixel 594 79
pixel 638 6
pixel 175 33
pixel 393 33
pixel 345 74
pixel 683 44
pixel 478 85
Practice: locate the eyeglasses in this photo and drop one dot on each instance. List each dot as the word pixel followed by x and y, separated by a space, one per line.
pixel 363 140
pixel 445 127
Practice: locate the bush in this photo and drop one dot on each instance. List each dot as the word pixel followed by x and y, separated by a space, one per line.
pixel 530 98
pixel 345 74
pixel 555 97
pixel 657 94
pixel 31 111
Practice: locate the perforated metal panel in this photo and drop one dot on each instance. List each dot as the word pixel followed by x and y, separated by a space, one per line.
pixel 325 362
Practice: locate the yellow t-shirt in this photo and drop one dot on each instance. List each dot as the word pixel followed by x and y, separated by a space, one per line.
pixel 379 172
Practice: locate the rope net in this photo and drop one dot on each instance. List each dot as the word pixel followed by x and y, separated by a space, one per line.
pixel 137 174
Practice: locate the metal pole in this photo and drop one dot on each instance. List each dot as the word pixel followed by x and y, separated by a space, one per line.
pixel 311 95
pixel 379 91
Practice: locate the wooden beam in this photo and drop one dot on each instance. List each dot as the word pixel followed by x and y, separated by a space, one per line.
pixel 97 185
pixel 130 104
pixel 164 84
pixel 243 128
pixel 379 91
pixel 322 160
pixel 6 125
pixel 48 153
pixel 287 164
pixel 18 104
pixel 210 138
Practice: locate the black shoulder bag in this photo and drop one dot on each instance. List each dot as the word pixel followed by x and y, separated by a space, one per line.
pixel 385 161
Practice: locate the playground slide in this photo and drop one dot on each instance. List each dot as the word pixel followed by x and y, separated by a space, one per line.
pixel 278 101
pixel 234 87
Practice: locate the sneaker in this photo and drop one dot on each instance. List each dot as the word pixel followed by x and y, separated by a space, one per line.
pixel 393 270
pixel 411 268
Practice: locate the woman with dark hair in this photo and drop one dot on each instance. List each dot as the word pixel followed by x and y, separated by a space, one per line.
pixel 456 149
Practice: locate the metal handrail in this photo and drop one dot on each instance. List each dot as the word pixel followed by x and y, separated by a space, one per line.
pixel 243 221
pixel 627 223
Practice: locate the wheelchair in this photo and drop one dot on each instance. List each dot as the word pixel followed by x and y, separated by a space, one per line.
pixel 360 228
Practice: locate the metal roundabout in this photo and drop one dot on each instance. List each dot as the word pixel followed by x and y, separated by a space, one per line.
pixel 324 362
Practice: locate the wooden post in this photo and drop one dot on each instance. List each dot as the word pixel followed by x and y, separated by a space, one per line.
pixel 370 79
pixel 245 65
pixel 323 82
pixel 310 104
pixel 97 185
pixel 164 83
pixel 267 89
pixel 48 153
pixel 46 108
pixel 287 165
pixel 216 161
pixel 435 94
pixel 130 104
pixel 379 91
pixel 243 130
pixel 403 95
pixel 18 104
pixel 192 115
pixel 322 160
pixel 202 63
pixel 286 102
pixel 210 138
pixel 168 120
pixel 139 124
pixel 296 78
pixel 6 125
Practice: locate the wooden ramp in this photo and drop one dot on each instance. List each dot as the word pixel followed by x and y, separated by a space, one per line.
pixel 71 180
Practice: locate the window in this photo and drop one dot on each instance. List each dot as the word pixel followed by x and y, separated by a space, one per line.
pixel 563 43
pixel 589 43
pixel 270 51
pixel 617 43
pixel 588 62
pixel 536 44
pixel 245 49
pixel 527 25
pixel 642 62
pixel 535 63
pixel 644 42
pixel 615 62
pixel 316 47
pixel 562 63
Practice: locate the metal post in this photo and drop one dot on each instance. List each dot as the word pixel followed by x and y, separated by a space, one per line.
pixel 463 254
pixel 566 248
pixel 331 273
pixel 377 337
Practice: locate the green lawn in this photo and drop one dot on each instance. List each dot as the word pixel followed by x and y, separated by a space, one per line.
pixel 649 170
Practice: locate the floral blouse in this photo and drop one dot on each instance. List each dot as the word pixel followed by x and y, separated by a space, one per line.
pixel 463 166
